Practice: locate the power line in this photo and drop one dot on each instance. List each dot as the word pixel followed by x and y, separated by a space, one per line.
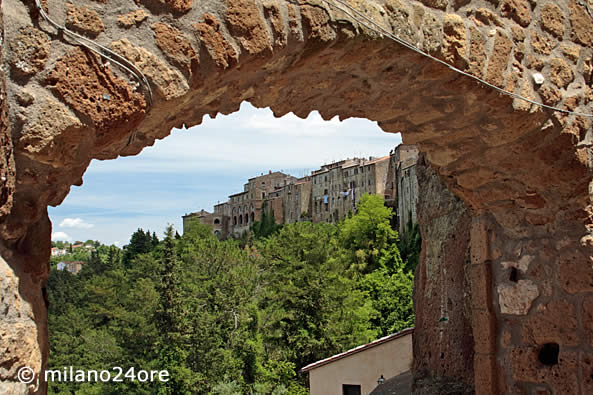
pixel 101 51
pixel 380 30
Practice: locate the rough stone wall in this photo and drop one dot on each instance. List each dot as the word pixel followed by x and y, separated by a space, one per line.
pixel 443 340
pixel 7 170
pixel 523 172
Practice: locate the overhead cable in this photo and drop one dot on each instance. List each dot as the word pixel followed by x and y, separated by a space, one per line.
pixel 374 26
pixel 101 51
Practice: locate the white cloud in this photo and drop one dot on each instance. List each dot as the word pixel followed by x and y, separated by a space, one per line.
pixel 291 125
pixel 116 243
pixel 75 223
pixel 196 167
pixel 60 236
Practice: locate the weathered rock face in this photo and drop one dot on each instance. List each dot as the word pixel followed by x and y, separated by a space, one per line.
pixel 522 172
pixel 443 340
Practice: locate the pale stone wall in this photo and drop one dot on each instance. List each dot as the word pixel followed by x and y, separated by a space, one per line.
pixel 364 368
pixel 407 196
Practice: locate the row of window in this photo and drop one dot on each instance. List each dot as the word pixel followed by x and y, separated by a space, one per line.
pixel 243 219
pixel 239 210
pixel 346 173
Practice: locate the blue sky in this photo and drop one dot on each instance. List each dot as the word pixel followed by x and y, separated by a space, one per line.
pixel 198 167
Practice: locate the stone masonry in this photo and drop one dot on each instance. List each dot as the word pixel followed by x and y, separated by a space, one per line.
pixel 522 172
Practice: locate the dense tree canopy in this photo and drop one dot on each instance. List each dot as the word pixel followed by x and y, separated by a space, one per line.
pixel 230 317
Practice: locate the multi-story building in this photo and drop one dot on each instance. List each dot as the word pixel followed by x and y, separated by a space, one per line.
pixel 402 185
pixel 328 195
pixel 235 216
pixel 297 200
pixel 338 187
pixel 216 220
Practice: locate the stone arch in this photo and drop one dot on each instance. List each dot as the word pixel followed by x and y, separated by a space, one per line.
pixel 522 172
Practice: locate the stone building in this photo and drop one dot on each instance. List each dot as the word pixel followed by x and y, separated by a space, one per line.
pixel 405 183
pixel 329 194
pixel 217 221
pixel 73 267
pixel 338 187
pixel 297 200
pixel 235 216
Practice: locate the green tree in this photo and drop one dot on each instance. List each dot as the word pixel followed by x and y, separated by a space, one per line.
pixel 311 310
pixel 170 321
pixel 266 225
pixel 391 296
pixel 368 238
pixel 410 246
pixel 140 243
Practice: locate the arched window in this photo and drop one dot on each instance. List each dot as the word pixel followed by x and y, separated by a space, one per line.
pixel 216 221
pixel 240 219
pixel 252 216
pixel 246 218
pixel 235 220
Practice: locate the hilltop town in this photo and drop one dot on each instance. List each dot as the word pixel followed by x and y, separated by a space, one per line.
pixel 328 194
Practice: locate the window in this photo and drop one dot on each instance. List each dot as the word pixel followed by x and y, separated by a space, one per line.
pixel 263 195
pixel 349 389
pixel 346 173
pixel 325 179
pixel 246 218
pixel 235 220
pixel 216 221
pixel 240 220
pixel 356 171
pixel 369 182
pixel 252 216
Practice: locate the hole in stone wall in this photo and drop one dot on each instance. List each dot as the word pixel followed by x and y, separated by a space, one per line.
pixel 514 275
pixel 548 355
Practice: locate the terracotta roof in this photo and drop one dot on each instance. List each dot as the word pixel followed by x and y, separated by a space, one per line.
pixel 301 182
pixel 376 160
pixel 357 349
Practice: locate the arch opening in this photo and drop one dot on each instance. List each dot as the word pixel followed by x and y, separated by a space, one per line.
pixel 522 172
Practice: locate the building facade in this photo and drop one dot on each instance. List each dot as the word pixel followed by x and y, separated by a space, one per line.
pixel 362 369
pixel 329 194
pixel 404 161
